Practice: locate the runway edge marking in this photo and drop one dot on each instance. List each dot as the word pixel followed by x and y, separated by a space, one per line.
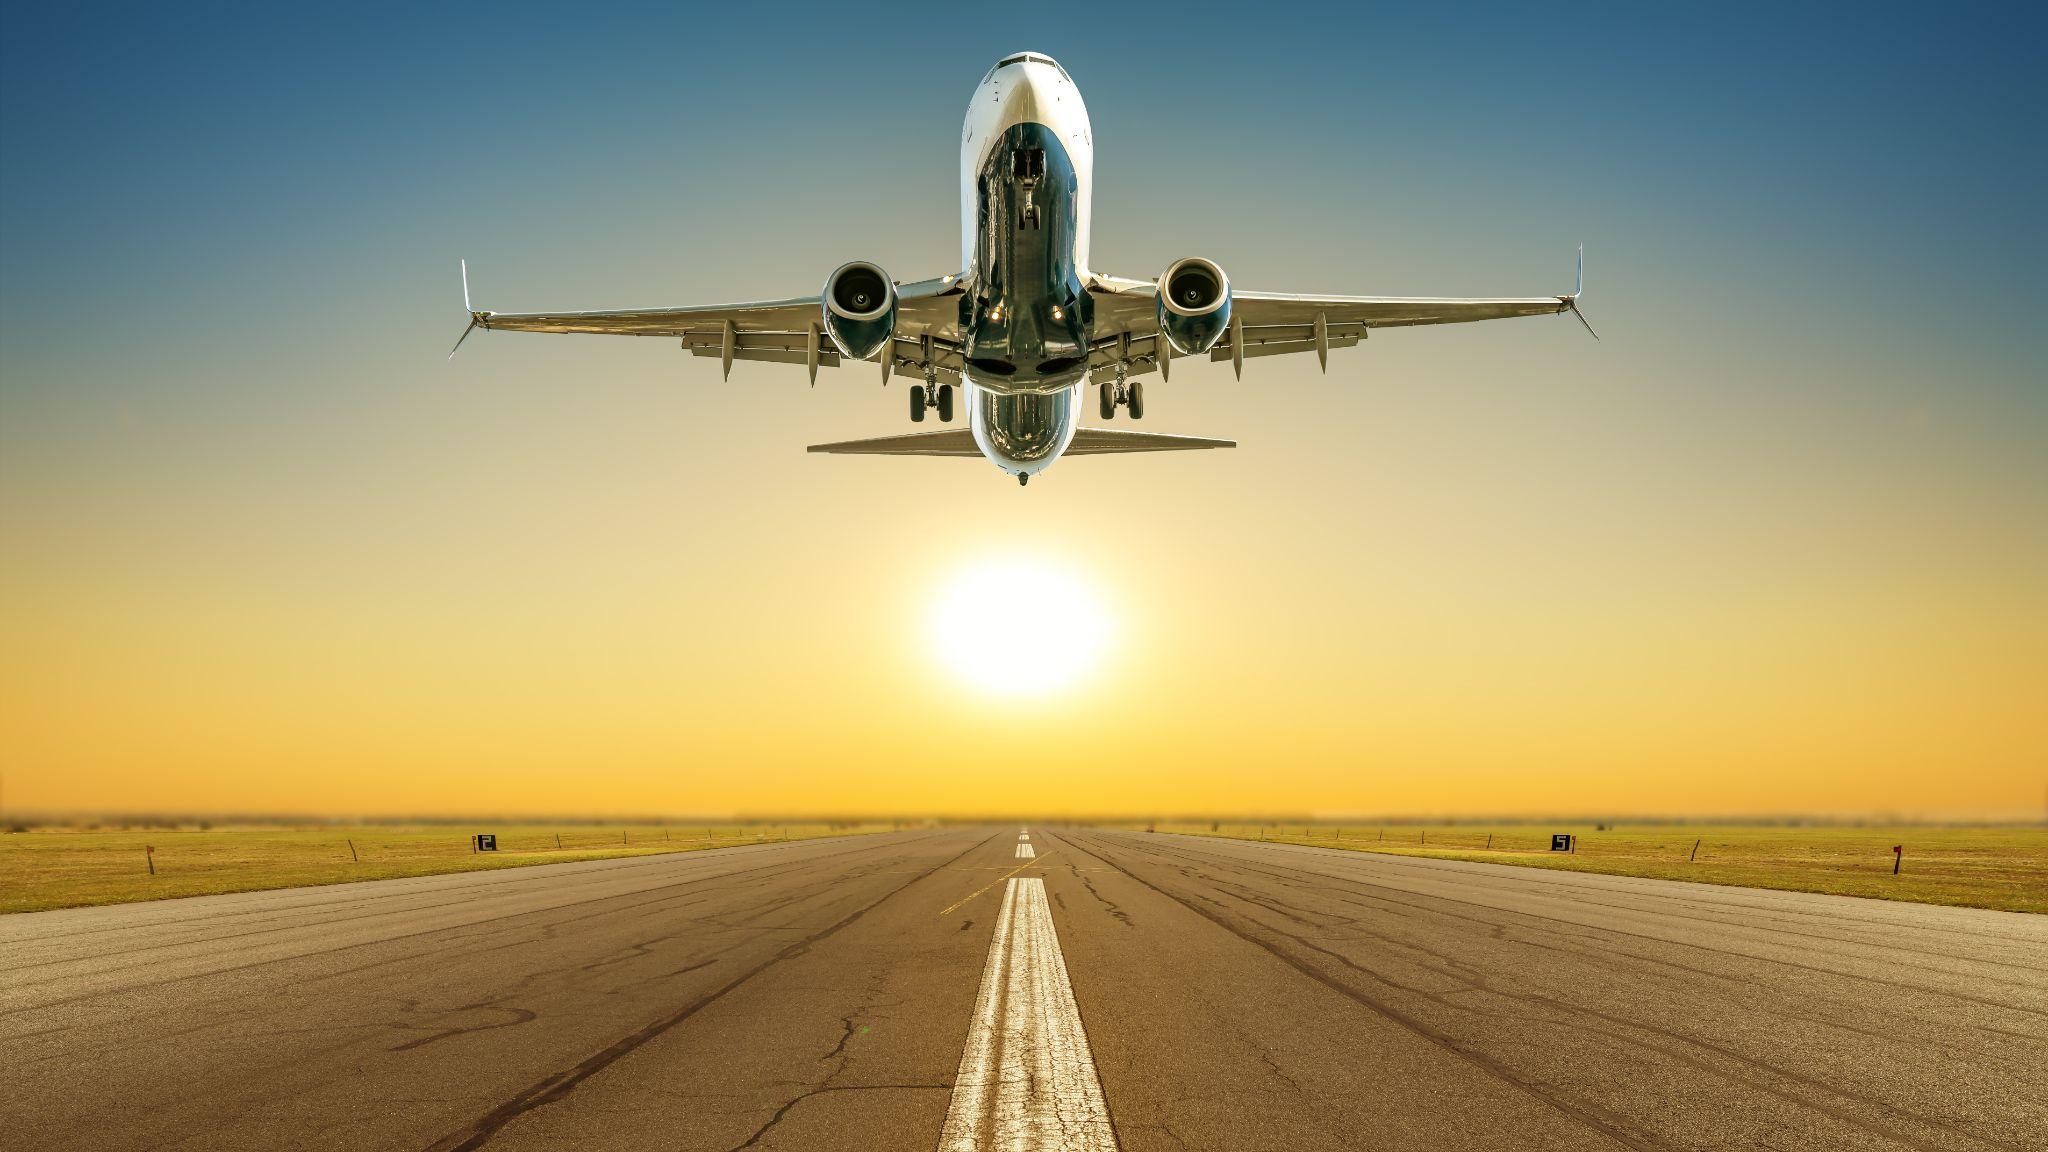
pixel 1027 1078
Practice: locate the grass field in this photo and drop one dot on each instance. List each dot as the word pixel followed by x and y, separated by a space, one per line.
pixel 58 868
pixel 1979 867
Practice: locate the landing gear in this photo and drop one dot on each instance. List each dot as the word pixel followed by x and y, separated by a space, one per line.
pixel 924 397
pixel 1129 395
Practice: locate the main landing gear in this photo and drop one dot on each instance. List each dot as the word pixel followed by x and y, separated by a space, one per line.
pixel 924 397
pixel 1130 395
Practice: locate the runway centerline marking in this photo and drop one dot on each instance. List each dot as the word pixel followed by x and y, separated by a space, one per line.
pixel 1026 852
pixel 1027 1079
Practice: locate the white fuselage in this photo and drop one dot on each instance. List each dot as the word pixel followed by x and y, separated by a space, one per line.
pixel 1027 160
pixel 1030 91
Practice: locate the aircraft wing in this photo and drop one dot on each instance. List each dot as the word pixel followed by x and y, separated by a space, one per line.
pixel 1276 323
pixel 778 331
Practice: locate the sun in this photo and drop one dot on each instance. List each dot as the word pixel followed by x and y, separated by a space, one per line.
pixel 1019 627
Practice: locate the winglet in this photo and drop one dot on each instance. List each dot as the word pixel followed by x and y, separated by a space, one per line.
pixel 1578 281
pixel 1571 302
pixel 476 318
pixel 467 307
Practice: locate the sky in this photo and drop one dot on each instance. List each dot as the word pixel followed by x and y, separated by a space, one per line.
pixel 1778 543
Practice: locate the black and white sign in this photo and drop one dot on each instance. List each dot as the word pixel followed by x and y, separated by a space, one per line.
pixel 487 842
pixel 1560 841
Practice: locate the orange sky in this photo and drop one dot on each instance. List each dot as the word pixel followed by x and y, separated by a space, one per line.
pixel 1466 596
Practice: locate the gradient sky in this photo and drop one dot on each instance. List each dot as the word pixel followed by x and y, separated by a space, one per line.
pixel 1780 543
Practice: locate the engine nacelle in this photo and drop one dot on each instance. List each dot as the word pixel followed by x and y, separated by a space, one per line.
pixel 860 309
pixel 1194 305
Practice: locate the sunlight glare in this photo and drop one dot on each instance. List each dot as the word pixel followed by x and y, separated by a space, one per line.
pixel 1019 627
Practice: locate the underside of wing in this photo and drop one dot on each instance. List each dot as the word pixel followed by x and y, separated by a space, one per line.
pixel 1276 323
pixel 960 442
pixel 926 338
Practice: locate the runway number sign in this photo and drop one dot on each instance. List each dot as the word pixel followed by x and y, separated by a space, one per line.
pixel 486 842
pixel 1560 842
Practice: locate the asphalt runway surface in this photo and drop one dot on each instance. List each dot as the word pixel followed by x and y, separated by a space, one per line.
pixel 941 989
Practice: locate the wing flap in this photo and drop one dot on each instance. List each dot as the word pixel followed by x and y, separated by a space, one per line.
pixel 1281 339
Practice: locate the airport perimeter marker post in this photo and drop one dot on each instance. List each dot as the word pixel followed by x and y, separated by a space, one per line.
pixel 1695 851
pixel 1898 857
pixel 149 856
pixel 352 852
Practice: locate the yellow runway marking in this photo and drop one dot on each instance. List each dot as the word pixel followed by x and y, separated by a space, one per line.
pixel 954 907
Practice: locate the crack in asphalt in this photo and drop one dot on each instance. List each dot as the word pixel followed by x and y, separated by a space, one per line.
pixel 826 1089
pixel 555 1087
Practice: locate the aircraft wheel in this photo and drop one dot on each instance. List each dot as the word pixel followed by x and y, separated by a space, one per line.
pixel 1137 403
pixel 1108 401
pixel 917 403
pixel 946 403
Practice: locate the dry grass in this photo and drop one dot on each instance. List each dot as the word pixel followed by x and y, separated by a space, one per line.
pixel 59 868
pixel 1977 867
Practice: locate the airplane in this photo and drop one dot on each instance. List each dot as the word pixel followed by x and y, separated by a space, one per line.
pixel 1026 324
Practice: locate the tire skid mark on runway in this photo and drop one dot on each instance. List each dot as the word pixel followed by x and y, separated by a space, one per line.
pixel 555 1087
pixel 1748 1068
pixel 1596 936
pixel 1027 1080
pixel 519 1016
pixel 1569 1022
pixel 1379 891
pixel 1587 944
pixel 591 907
pixel 1701 904
pixel 1592 1116
pixel 459 882
pixel 1760 1069
pixel 1584 893
pixel 502 879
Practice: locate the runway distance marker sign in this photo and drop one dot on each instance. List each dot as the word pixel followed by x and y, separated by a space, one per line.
pixel 487 842
pixel 1560 841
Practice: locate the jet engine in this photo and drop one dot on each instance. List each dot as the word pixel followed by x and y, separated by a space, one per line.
pixel 1194 305
pixel 860 309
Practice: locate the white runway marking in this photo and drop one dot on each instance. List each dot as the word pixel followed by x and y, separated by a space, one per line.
pixel 1027 1080
pixel 1026 852
pixel 1023 835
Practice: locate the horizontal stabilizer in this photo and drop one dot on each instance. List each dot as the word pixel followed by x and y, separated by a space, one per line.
pixel 960 442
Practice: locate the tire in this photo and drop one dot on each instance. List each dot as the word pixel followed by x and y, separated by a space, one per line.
pixel 917 403
pixel 1108 392
pixel 945 403
pixel 1137 404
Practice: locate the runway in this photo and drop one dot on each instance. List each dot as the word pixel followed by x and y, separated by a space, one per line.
pixel 941 989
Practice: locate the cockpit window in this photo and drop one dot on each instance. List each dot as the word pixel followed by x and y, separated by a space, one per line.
pixel 1033 57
